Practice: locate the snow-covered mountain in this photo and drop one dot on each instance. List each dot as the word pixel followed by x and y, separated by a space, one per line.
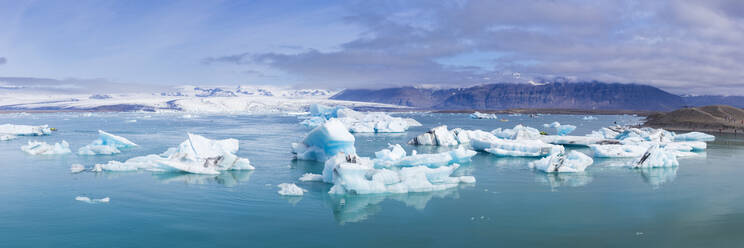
pixel 245 90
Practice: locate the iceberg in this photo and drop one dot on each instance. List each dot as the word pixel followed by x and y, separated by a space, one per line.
pixel 559 162
pixel 589 118
pixel 24 130
pixel 438 136
pixel 518 132
pixel 88 200
pixel 561 130
pixel 76 168
pixel 310 177
pixel 618 150
pixel 290 189
pixel 522 148
pixel 42 148
pixel 4 137
pixel 354 175
pixel 313 122
pixel 478 115
pixel 373 122
pixel 106 144
pixel 694 136
pixel 324 111
pixel 655 157
pixel 575 140
pixel 197 155
pixel 396 156
pixel 325 141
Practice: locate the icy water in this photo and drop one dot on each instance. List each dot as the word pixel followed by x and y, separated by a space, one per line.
pixel 698 204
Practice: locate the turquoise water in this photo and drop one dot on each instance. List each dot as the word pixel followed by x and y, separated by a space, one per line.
pixel 695 205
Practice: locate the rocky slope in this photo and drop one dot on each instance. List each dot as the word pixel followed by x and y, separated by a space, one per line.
pixel 716 118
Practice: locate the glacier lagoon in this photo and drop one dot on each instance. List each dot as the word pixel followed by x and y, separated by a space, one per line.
pixel 696 204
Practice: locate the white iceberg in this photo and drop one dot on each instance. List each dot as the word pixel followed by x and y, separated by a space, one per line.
pixel 42 148
pixel 522 148
pixel 325 141
pixel 518 132
pixel 106 144
pixel 438 136
pixel 575 140
pixel 76 168
pixel 92 201
pixel 396 156
pixel 655 157
pixel 373 122
pixel 478 115
pixel 694 136
pixel 197 155
pixel 4 137
pixel 290 189
pixel 24 130
pixel 561 129
pixel 559 162
pixel 310 177
pixel 589 118
pixel 354 175
pixel 618 150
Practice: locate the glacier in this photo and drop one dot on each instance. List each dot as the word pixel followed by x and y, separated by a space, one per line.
pixel 106 144
pixel 559 162
pixel 197 155
pixel 324 142
pixel 42 148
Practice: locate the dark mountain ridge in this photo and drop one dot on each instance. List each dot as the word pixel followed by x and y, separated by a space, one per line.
pixel 583 95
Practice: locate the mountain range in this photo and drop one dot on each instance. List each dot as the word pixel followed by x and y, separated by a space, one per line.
pixel 582 95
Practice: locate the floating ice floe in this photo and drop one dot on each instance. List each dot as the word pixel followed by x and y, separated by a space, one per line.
pixel 589 118
pixel 106 144
pixel 523 148
pixel 310 177
pixel 89 200
pixel 618 150
pixel 576 140
pixel 195 155
pixel 516 133
pixel 655 157
pixel 479 115
pixel 290 189
pixel 559 162
pixel 10 131
pixel 358 122
pixel 694 136
pixel 356 175
pixel 76 168
pixel 42 148
pixel 561 130
pixel 325 141
pixel 396 156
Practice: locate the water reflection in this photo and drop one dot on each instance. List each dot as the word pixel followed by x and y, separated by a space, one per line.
pixel 658 176
pixel 226 178
pixel 357 208
pixel 557 180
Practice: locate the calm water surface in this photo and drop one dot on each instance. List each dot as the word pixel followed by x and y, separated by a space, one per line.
pixel 696 205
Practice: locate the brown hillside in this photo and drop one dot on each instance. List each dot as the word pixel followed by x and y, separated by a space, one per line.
pixel 717 118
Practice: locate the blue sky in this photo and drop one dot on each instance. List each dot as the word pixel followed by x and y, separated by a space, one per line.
pixel 681 46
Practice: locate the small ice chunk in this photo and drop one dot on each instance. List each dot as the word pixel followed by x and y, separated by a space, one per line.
pixel 694 136
pixel 561 130
pixel 518 132
pixel 559 162
pixel 290 189
pixel 655 157
pixel 76 168
pixel 92 201
pixel 4 137
pixel 325 141
pixel 42 148
pixel 589 118
pixel 310 177
pixel 106 144
pixel 478 115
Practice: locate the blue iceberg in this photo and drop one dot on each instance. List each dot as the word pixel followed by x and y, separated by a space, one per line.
pixel 106 144
pixel 324 142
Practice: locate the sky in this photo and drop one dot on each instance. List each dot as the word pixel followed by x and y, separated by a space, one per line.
pixel 685 47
